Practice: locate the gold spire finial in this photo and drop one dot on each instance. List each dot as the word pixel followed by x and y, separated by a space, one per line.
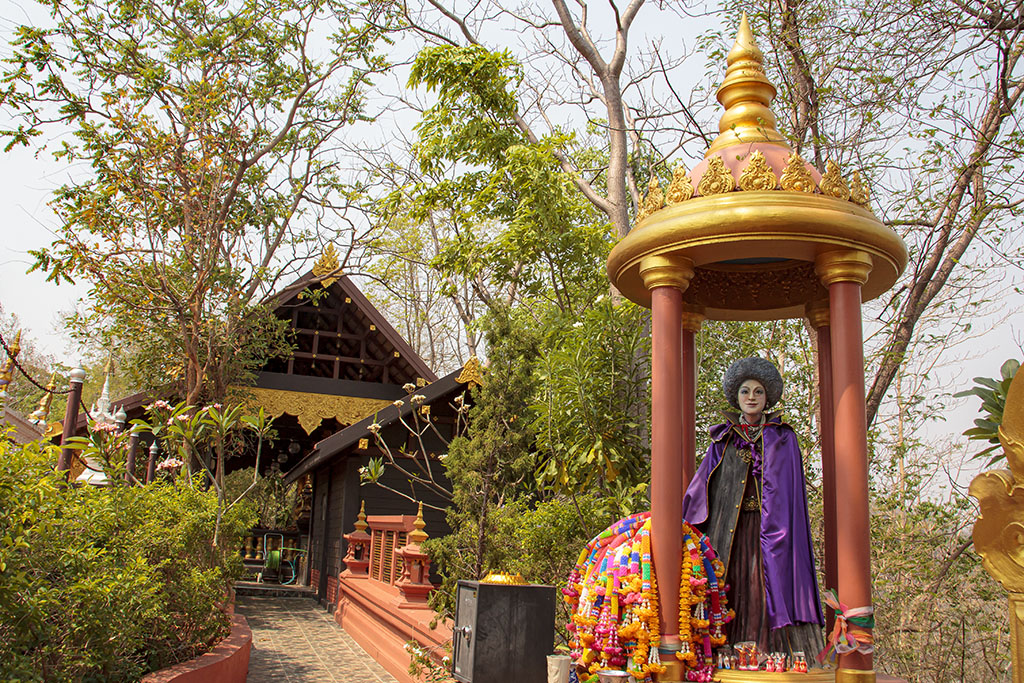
pixel 361 524
pixel 746 94
pixel 419 535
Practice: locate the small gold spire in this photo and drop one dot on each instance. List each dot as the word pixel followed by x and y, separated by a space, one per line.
pixel 7 369
pixel 361 524
pixel 326 265
pixel 858 191
pixel 796 177
pixel 419 535
pixel 746 94
pixel 717 179
pixel 758 175
pixel 833 183
pixel 681 187
pixel 42 411
pixel 653 201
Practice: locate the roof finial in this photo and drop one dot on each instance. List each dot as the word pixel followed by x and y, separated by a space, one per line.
pixel 746 93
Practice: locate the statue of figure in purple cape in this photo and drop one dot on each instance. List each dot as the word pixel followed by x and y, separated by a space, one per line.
pixel 748 496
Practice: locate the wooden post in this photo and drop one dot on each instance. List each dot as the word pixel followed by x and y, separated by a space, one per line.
pixel 843 272
pixel 75 382
pixel 818 314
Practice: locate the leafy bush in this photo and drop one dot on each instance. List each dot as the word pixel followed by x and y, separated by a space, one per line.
pixel 107 583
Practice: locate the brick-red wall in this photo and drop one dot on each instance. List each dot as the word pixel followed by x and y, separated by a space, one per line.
pixel 332 590
pixel 314 578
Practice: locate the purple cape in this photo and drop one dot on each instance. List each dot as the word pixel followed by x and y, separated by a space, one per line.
pixel 787 555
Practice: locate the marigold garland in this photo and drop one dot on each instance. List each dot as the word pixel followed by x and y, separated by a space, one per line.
pixel 614 598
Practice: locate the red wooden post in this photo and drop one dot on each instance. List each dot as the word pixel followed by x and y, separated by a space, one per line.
pixel 75 382
pixel 667 278
pixel 818 314
pixel 843 273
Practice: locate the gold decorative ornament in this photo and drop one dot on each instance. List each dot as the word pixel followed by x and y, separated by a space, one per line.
pixel 717 179
pixel 653 201
pixel 746 94
pixel 796 177
pixel 754 254
pixel 42 411
pixel 681 187
pixel 364 444
pixel 843 266
pixel 471 373
pixel 7 369
pixel 818 313
pixel 999 530
pixel 327 266
pixel 833 183
pixel 360 519
pixel 312 409
pixel 858 191
pixel 758 175
pixel 666 271
pixel 418 535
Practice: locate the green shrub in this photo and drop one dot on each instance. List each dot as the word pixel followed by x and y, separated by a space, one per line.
pixel 107 583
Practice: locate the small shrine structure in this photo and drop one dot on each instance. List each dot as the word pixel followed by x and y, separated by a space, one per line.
pixel 754 232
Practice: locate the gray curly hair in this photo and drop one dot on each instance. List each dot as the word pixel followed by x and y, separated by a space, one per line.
pixel 764 371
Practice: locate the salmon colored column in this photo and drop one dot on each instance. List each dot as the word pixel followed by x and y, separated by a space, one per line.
pixel 667 278
pixel 843 272
pixel 818 315
pixel 692 318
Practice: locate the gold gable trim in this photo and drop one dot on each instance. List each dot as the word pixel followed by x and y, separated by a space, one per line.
pixel 471 373
pixel 312 409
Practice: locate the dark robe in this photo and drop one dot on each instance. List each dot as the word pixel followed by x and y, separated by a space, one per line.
pixel 714 499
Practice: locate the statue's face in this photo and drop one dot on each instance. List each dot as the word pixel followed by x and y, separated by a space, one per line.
pixel 752 398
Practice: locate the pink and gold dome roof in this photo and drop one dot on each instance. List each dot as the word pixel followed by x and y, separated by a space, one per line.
pixel 752 218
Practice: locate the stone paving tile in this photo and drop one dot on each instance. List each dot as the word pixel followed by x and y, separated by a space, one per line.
pixel 294 640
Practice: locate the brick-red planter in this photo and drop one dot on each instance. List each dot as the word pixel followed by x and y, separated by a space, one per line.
pixel 228 662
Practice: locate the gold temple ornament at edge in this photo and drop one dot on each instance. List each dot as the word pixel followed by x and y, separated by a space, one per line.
pixel 758 175
pixel 858 191
pixel 654 199
pixel 326 266
pixel 471 373
pixel 796 177
pixel 833 183
pixel 716 179
pixel 681 188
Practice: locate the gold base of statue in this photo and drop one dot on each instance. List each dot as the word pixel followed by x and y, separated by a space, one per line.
pixel 737 676
pixel 674 672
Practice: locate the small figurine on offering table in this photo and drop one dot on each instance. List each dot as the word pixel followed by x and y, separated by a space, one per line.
pixel 748 656
pixel 799 663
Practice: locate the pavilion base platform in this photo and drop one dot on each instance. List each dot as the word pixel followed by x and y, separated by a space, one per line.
pixel 812 676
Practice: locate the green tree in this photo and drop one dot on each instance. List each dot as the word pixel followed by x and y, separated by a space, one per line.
pixel 202 135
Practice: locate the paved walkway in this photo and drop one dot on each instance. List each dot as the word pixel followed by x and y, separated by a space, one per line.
pixel 295 640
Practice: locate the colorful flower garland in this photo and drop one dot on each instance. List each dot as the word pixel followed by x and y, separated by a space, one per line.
pixel 614 597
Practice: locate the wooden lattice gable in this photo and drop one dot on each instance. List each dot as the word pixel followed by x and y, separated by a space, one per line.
pixel 340 335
